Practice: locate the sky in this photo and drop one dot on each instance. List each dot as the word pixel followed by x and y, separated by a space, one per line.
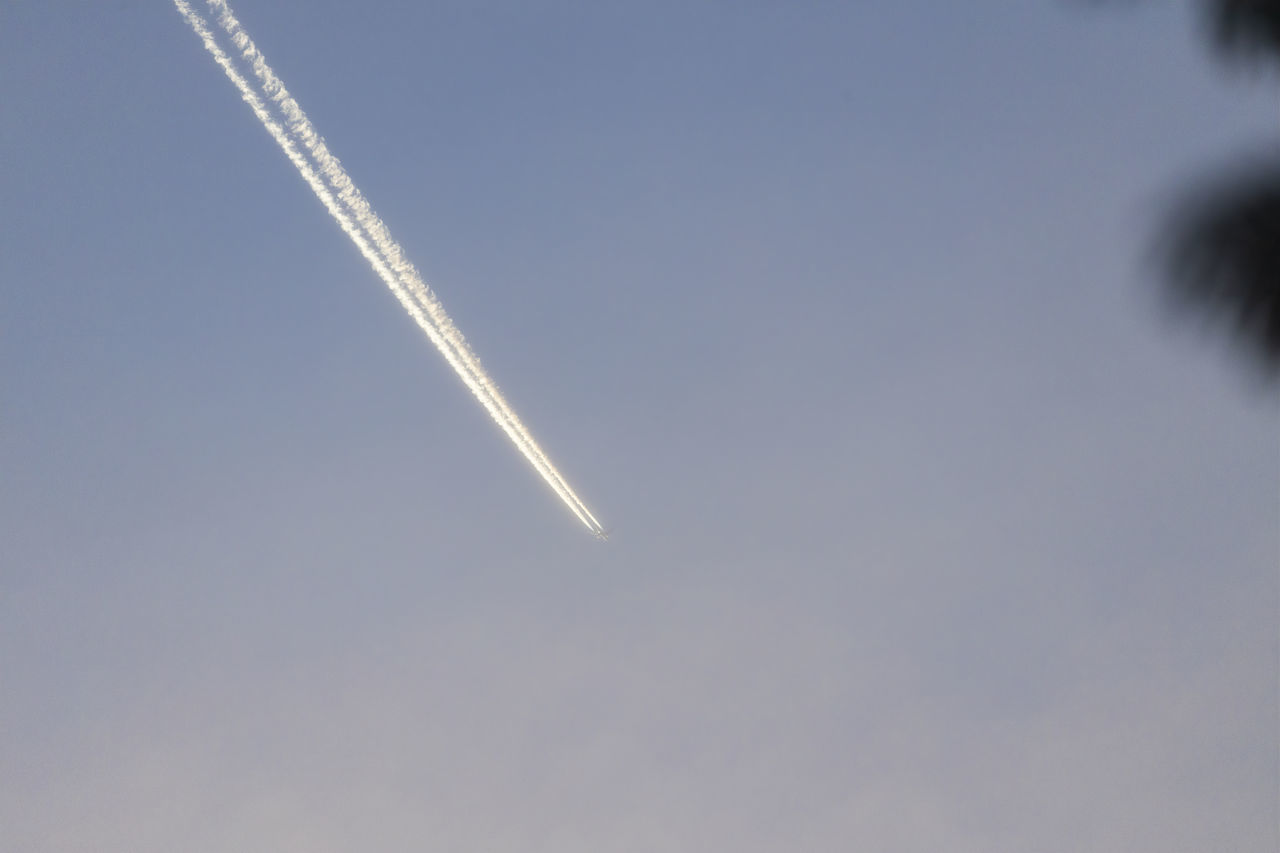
pixel 932 527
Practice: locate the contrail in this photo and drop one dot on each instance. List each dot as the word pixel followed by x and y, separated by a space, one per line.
pixel 301 129
pixel 358 221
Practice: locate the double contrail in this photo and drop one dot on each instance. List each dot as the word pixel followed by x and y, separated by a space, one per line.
pixel 345 203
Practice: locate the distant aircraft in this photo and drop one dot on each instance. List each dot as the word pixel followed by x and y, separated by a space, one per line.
pixel 602 534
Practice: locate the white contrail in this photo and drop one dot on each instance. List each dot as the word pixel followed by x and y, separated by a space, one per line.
pixel 393 255
pixel 302 130
pixel 466 369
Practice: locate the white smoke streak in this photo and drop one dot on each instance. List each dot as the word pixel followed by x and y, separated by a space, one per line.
pixel 302 129
pixel 354 215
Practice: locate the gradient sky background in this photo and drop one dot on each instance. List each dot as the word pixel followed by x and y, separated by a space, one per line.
pixel 931 531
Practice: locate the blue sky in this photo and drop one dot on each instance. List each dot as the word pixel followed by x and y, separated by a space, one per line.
pixel 932 531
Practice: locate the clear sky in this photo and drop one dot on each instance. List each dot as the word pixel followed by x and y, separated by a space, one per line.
pixel 931 530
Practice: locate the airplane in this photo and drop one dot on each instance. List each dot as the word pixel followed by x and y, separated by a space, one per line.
pixel 601 534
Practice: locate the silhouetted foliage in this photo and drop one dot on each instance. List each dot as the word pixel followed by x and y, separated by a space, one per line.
pixel 1223 243
pixel 1222 254
pixel 1221 250
pixel 1247 27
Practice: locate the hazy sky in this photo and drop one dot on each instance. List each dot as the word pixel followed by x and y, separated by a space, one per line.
pixel 931 532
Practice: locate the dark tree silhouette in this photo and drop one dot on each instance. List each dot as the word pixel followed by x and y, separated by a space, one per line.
pixel 1220 250
pixel 1222 258
pixel 1247 27
pixel 1222 246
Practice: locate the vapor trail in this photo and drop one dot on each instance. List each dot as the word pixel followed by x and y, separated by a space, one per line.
pixel 301 129
pixel 356 219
